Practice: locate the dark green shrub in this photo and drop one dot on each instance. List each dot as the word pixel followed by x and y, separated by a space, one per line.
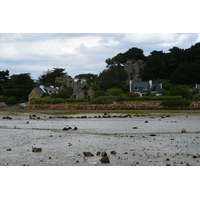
pixel 11 100
pixel 156 98
pixel 175 104
pixel 124 98
pixel 114 91
pixel 196 97
pixel 104 100
pixel 4 99
pixel 47 101
pixel 180 91
pixel 72 100
pixel 57 101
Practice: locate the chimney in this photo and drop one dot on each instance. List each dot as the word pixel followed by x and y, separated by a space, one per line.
pixel 42 87
pixel 130 86
pixel 150 83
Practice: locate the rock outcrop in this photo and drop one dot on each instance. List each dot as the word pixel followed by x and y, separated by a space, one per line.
pixel 134 69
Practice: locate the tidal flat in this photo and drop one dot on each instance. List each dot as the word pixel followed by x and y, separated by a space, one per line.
pixel 153 139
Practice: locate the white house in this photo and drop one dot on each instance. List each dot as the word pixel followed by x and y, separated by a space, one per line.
pixel 145 87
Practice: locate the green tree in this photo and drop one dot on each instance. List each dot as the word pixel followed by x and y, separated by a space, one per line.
pixel 89 78
pixel 180 91
pixel 11 101
pixel 114 77
pixel 155 67
pixel 166 84
pixel 19 86
pixel 186 73
pixel 4 76
pixel 120 59
pixel 114 92
pixel 65 93
pixel 48 77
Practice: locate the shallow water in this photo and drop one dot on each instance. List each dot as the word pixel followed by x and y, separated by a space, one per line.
pixel 133 146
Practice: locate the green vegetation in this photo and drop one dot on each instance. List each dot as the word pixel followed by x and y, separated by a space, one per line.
pixel 47 101
pixel 76 100
pixel 175 104
pixel 178 70
pixel 11 101
pixel 104 100
pixel 196 97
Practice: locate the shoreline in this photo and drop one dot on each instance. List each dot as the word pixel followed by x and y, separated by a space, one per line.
pixel 64 111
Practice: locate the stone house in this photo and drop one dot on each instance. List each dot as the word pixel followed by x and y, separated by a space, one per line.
pixel 145 87
pixel 38 92
pixel 78 92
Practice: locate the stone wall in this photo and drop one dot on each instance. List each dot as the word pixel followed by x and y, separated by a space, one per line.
pixel 148 105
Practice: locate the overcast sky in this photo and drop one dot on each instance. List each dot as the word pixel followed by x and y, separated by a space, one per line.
pixel 79 53
pixel 81 35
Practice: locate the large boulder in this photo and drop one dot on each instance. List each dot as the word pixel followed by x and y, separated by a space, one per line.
pixel 88 154
pixel 105 160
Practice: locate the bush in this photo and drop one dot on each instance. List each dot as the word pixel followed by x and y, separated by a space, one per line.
pixel 58 100
pixel 76 100
pixel 11 100
pixel 47 101
pixel 124 98
pixel 114 91
pixel 155 98
pixel 180 91
pixel 196 97
pixel 104 100
pixel 175 104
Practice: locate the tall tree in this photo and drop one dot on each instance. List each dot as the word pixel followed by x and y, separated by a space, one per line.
pixel 186 73
pixel 48 77
pixel 120 59
pixel 19 86
pixel 89 78
pixel 114 77
pixel 155 67
pixel 4 76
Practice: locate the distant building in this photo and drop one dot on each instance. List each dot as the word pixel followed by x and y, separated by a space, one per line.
pixel 198 87
pixel 78 92
pixel 38 92
pixel 145 87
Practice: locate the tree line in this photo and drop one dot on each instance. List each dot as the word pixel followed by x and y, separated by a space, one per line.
pixel 176 67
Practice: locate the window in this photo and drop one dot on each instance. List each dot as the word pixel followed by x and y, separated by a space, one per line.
pixel 144 88
pixel 136 88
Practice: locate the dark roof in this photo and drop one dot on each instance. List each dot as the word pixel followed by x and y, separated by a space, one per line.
pixel 140 84
pixel 39 91
pixel 47 89
pixel 50 89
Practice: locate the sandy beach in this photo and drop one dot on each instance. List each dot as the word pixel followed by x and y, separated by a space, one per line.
pixel 155 139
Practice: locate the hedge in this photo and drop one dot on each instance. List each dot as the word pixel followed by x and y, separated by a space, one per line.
pixel 175 103
pixel 47 101
pixel 104 100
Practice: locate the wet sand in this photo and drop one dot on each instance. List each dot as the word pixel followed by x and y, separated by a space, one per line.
pixel 138 140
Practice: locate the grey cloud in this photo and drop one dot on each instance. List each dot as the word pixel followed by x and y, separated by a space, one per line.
pixel 85 58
